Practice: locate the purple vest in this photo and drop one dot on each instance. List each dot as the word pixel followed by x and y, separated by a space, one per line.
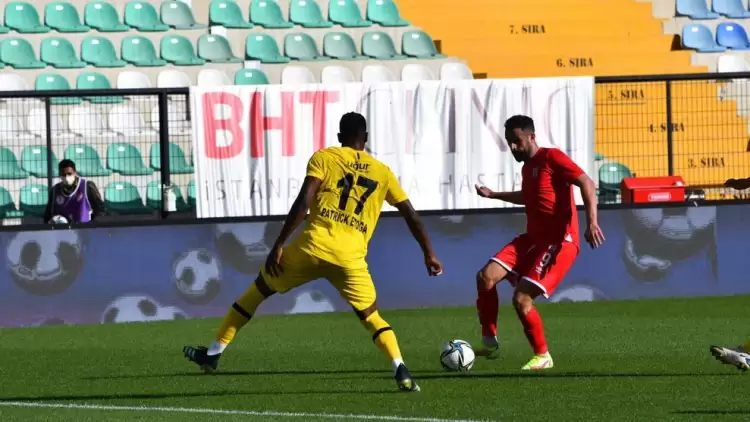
pixel 75 207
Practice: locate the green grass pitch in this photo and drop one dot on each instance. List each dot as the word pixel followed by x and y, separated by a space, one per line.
pixel 630 360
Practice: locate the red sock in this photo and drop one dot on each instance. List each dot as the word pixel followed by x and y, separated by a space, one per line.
pixel 534 330
pixel 487 309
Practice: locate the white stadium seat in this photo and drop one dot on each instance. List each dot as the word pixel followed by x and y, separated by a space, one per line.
pixel 37 125
pixel 729 63
pixel 128 121
pixel 213 77
pixel 12 130
pixel 455 71
pixel 377 73
pixel 88 123
pixel 172 79
pixel 12 82
pixel 297 75
pixel 337 75
pixel 416 73
pixel 178 126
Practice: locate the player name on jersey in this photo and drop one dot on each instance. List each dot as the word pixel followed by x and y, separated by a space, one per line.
pixel 344 218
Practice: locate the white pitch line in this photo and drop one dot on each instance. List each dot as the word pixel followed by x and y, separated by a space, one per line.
pixel 225 412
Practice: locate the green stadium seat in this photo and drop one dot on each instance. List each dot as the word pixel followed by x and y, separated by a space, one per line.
pixel 179 15
pixel 610 176
pixel 267 13
pixel 384 13
pixel 63 17
pixel 96 81
pixel 419 44
pixel 598 156
pixel 59 53
pixel 264 48
pixel 4 29
pixel 56 82
pixel 8 206
pixel 88 162
pixel 340 45
pixel 177 162
pixel 34 160
pixel 103 17
pixel 216 49
pixel 22 17
pixel 179 51
pixel 347 14
pixel 9 167
pixel 250 77
pixel 307 13
pixel 100 52
pixel 34 199
pixel 379 45
pixel 228 14
pixel 19 54
pixel 140 51
pixel 123 198
pixel 300 46
pixel 143 17
pixel 153 197
pixel 192 194
pixel 125 159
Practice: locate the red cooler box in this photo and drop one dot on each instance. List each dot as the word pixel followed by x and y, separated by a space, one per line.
pixel 640 190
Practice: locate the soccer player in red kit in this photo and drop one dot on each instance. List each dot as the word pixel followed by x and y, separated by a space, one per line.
pixel 536 261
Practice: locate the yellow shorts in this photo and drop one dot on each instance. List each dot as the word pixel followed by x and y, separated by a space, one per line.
pixel 299 267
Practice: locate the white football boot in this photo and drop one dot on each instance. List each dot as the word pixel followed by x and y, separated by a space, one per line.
pixel 735 357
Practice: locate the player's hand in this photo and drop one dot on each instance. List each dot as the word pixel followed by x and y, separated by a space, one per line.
pixel 738 184
pixel 483 191
pixel 434 267
pixel 273 262
pixel 594 235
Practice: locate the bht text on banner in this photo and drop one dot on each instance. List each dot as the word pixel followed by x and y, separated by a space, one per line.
pixel 252 143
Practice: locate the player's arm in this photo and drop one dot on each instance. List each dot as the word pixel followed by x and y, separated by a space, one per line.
pixel 738 184
pixel 50 205
pixel 512 197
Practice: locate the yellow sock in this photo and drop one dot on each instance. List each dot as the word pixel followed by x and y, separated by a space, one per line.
pixel 746 347
pixel 383 336
pixel 239 314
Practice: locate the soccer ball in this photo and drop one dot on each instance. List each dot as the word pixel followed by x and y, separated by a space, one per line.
pixel 197 276
pixel 59 219
pixel 457 356
pixel 139 309
pixel 245 246
pixel 45 263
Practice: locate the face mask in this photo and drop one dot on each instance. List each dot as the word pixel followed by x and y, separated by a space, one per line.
pixel 69 180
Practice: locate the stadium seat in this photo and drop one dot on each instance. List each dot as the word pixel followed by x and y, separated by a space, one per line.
pixel 177 162
pixel 307 13
pixel 179 51
pixel 12 82
pixel 55 82
pixel 63 17
pixel 12 132
pixel 698 37
pixel 23 17
pixel 455 72
pixel 19 54
pixel 125 159
pixel 695 9
pixel 133 80
pixel 341 46
pixel 88 162
pixel 731 8
pixel 264 48
pixel 610 176
pixel 732 35
pixel 87 123
pixel 34 160
pixel 96 81
pixel 300 46
pixel 128 121
pixel 216 49
pixel 416 73
pixel 36 123
pixel 384 13
pixel 250 77
pixel 347 14
pixel 379 45
pixel 139 51
pixel 419 44
pixel 9 167
pixel 177 126
pixel 143 17
pixel 179 15
pixel 59 53
pixel 100 52
pixel 228 14
pixel 33 199
pixel 213 77
pixel 4 29
pixel 192 194
pixel 8 206
pixel 172 79
pixel 267 13
pixel 154 194
pixel 374 74
pixel 297 75
pixel 336 75
pixel 103 17
pixel 730 63
pixel 123 198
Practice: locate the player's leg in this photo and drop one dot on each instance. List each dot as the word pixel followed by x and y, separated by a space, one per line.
pixel 356 287
pixel 737 357
pixel 299 268
pixel 539 276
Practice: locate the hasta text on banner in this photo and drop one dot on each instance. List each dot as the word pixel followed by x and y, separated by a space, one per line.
pixel 252 143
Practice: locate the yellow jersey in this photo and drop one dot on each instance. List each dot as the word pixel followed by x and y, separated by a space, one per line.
pixel 344 214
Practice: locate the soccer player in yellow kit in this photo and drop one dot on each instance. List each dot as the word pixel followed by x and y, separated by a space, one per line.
pixel 344 190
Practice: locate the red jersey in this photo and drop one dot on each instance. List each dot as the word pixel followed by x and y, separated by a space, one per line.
pixel 551 215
